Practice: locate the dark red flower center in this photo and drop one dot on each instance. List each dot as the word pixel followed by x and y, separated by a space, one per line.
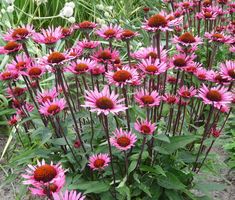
pixel 145 129
pixel 231 73
pixel 17 91
pixel 99 163
pixel 20 32
pixel 187 38
pixel 110 33
pixel 123 141
pixel 186 94
pixel 45 173
pixel 20 65
pixel 34 71
pixel 86 25
pixel 147 99
pixel 180 62
pixel 207 15
pixel 6 75
pixel 104 103
pixel 56 57
pixel 186 4
pixel 151 68
pixel 11 46
pixel 201 76
pixel 51 188
pixel 152 55
pixel 214 95
pixel 157 21
pixel 172 79
pixel 217 36
pixel 127 33
pixel 81 67
pixel 53 108
pixel 46 98
pixel 171 99
pixel 105 55
pixel 207 2
pixel 66 31
pixel 50 39
pixel 122 76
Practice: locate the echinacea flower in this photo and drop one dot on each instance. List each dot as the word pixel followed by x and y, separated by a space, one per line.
pixel 85 26
pixel 152 67
pixel 69 195
pixel 15 92
pixel 81 66
pixel 187 39
pixel 215 96
pixel 20 64
pixel 227 70
pixel 217 37
pixel 8 75
pixel 19 34
pixel 145 127
pixel 66 32
pixel 13 120
pixel 123 140
pixel 122 76
pixel 52 108
pixel 46 95
pixel 35 72
pixel 97 70
pixel 109 32
pixel 187 93
pixel 127 35
pixel 105 56
pixel 88 44
pixel 43 173
pixel 170 99
pixel 55 58
pixel 202 74
pixel 48 36
pixel 217 77
pixel 181 61
pixel 74 52
pixel 147 99
pixel 10 47
pixel 103 102
pixel 99 161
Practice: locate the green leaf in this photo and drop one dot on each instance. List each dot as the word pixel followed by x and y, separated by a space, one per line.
pixel 154 170
pixel 132 166
pixel 173 195
pixel 145 189
pixel 163 138
pixel 125 191
pixel 207 188
pixel 170 182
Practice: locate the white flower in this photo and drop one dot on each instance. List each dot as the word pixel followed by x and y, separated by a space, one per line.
pixel 67 11
pixel 100 6
pixel 110 8
pixel 3 11
pixel 39 2
pixel 71 20
pixel 106 14
pixel 10 9
pixel 9 1
pixel 70 4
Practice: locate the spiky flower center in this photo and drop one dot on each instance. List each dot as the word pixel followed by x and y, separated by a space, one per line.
pixel 217 36
pixel 231 73
pixel 11 46
pixel 104 103
pixel 20 33
pixel 122 76
pixel 180 62
pixel 53 109
pixel 51 188
pixel 152 55
pixel 157 21
pixel 151 68
pixel 171 99
pixel 145 129
pixel 147 99
pixel 99 163
pixel 20 65
pixel 47 98
pixel 214 95
pixel 105 55
pixel 127 33
pixel 34 71
pixel 56 57
pixel 45 173
pixel 81 67
pixel 123 141
pixel 6 75
pixel 50 39
pixel 186 4
pixel 186 94
pixel 207 15
pixel 110 33
pixel 86 25
pixel 187 38
pixel 17 91
pixel 66 31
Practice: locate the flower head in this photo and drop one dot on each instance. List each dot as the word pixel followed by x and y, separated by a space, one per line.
pixel 51 108
pixel 123 140
pixel 47 95
pixel 109 32
pixel 187 39
pixel 88 44
pixel 105 56
pixel 145 127
pixel 152 67
pixel 85 26
pixel 72 195
pixel 99 161
pixel 10 47
pixel 20 33
pixel 227 70
pixel 146 98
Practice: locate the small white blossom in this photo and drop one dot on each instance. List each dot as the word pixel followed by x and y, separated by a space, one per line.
pixel 67 11
pixel 3 11
pixel 71 20
pixel 10 9
pixel 70 4
pixel 9 1
pixel 106 14
pixel 100 6
pixel 39 2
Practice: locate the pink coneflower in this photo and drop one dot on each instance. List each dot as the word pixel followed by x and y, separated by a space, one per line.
pixel 123 140
pixel 171 79
pixel 81 66
pixel 99 161
pixel 103 102
pixel 66 32
pixel 109 32
pixel 145 98
pixel 232 49
pixel 217 77
pixel 10 47
pixel 52 108
pixel 227 70
pixel 97 70
pixel 187 39
pixel 13 120
pixel 35 72
pixel 47 95
pixel 215 132
pixel 217 37
pixel 192 67
pixel 55 58
pixel 105 56
pixel 85 26
pixel 149 52
pixel 187 5
pixel 188 50
pixel 8 75
pixel 48 36
pixel 72 195
pixel 170 99
pixel 74 52
pixel 207 14
pixel 180 61
pixel 216 96
pixel 152 68
pixel 122 76
pixel 127 34
pixel 88 44
pixel 145 127
pixel 15 92
pixel 202 74
pixel 207 3
pixel 21 63
pixel 20 33
pixel 161 22
pixel 44 173
pixel 186 93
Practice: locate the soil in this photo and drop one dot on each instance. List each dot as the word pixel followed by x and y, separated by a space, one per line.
pixel 227 178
